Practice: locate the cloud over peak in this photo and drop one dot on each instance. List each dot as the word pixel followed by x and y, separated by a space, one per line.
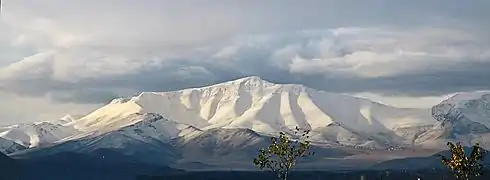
pixel 348 59
pixel 91 51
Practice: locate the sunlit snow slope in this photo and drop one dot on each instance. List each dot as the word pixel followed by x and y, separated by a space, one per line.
pixel 36 134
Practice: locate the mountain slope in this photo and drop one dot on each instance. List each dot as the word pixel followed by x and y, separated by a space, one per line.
pixel 7 146
pixel 36 134
pixel 465 117
pixel 157 140
pixel 474 107
pixel 265 107
pixel 140 124
pixel 149 138
pixel 222 143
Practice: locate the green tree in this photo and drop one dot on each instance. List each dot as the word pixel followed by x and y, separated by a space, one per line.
pixel 283 153
pixel 462 166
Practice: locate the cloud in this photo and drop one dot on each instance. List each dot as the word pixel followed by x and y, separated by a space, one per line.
pixel 405 101
pixel 88 52
pixel 83 96
pixel 418 61
pixel 15 109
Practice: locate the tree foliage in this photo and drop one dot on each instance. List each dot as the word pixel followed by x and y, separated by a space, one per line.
pixel 283 153
pixel 462 166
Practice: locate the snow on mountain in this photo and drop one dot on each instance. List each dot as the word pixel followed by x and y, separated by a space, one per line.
pixel 158 140
pixel 467 120
pixel 263 107
pixel 149 150
pixel 473 106
pixel 156 126
pixel 36 134
pixel 67 119
pixel 148 142
pixel 226 123
pixel 149 138
pixel 467 110
pixel 147 125
pixel 463 97
pixel 225 146
pixel 8 146
pixel 222 142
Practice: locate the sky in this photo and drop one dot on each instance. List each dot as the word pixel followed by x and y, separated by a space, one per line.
pixel 59 57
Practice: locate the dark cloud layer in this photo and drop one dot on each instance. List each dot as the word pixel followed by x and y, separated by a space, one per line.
pixel 456 78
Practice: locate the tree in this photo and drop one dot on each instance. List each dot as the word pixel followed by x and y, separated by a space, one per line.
pixel 283 153
pixel 462 166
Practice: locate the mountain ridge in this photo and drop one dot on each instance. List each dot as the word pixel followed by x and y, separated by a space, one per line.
pixel 262 106
pixel 254 103
pixel 238 117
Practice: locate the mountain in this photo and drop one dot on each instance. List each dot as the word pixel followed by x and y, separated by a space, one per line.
pixel 148 138
pixel 8 146
pixel 157 140
pixel 223 126
pixel 268 108
pixel 36 134
pixel 222 143
pixel 464 117
pixel 138 125
pixel 225 148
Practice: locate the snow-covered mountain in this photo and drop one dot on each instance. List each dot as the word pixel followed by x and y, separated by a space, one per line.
pixel 36 134
pixel 474 107
pixel 234 119
pixel 464 117
pixel 148 136
pixel 268 108
pixel 8 146
pixel 146 125
pixel 222 143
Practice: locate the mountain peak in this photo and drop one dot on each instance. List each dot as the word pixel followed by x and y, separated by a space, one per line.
pixel 256 104
pixel 251 80
pixel 467 96
pixel 248 82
